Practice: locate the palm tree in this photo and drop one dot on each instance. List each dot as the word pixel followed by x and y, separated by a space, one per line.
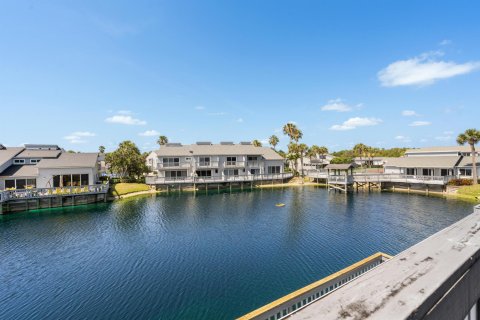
pixel 273 141
pixel 162 140
pixel 256 143
pixel 101 149
pixel 359 150
pixel 472 137
pixel 291 130
pixel 302 150
pixel 293 155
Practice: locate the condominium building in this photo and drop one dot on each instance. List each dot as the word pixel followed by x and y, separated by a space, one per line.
pixel 207 162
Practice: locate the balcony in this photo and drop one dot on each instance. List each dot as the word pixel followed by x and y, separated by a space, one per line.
pixel 234 164
pixel 173 165
pixel 207 164
pixel 255 164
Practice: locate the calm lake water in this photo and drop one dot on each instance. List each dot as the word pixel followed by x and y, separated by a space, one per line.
pixel 213 256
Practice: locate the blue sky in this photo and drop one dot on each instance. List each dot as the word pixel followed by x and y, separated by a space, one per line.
pixel 386 73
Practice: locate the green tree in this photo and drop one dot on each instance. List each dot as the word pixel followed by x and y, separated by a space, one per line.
pixel 360 150
pixel 471 137
pixel 101 149
pixel 127 161
pixel 273 141
pixel 293 155
pixel 256 143
pixel 302 149
pixel 341 160
pixel 295 134
pixel 162 140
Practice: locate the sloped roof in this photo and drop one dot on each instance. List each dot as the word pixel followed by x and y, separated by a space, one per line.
pixel 467 162
pixel 9 153
pixel 423 162
pixel 217 150
pixel 340 166
pixel 440 149
pixel 70 160
pixel 16 171
pixel 39 153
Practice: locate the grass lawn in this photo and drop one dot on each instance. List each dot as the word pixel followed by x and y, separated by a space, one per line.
pixel 120 189
pixel 473 191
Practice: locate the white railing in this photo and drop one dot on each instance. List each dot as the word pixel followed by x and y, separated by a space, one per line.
pixel 51 192
pixel 182 164
pixel 233 164
pixel 207 164
pixel 382 177
pixel 217 179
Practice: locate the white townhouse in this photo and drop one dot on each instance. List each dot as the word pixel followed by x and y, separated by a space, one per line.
pixel 45 166
pixel 453 161
pixel 209 162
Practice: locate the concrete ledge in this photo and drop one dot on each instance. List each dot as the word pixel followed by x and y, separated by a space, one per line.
pixel 437 278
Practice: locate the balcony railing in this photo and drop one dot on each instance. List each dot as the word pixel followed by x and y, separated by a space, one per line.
pixel 255 163
pixel 51 192
pixel 207 164
pixel 217 179
pixel 235 164
pixel 162 165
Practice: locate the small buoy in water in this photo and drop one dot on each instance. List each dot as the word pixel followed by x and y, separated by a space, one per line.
pixel 280 204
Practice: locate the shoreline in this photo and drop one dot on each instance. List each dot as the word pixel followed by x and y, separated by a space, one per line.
pixel 445 195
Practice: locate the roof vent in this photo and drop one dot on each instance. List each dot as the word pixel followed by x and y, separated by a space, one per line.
pixel 2 147
pixel 173 145
pixel 226 143
pixel 204 143
pixel 246 143
pixel 42 147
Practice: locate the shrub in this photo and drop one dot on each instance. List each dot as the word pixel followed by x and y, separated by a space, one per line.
pixel 460 182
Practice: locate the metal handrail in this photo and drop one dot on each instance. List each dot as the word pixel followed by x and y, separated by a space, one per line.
pixel 50 192
pixel 219 179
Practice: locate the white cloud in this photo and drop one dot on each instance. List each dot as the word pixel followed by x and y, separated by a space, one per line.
pixel 79 137
pixel 422 70
pixel 149 133
pixel 125 119
pixel 409 113
pixel 445 42
pixel 419 123
pixel 403 138
pixel 356 122
pixel 337 105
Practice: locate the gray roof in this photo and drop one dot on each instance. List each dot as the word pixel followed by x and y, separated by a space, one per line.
pixel 340 166
pixel 440 149
pixel 42 146
pixel 36 153
pixel 423 162
pixel 467 162
pixel 217 150
pixel 16 171
pixel 70 160
pixel 9 153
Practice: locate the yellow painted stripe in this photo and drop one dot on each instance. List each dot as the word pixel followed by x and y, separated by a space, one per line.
pixel 311 286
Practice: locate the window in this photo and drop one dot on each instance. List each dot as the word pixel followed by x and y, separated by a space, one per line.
pixel 176 174
pixel 252 158
pixel 34 160
pixel 204 173
pixel 18 161
pixel 171 162
pixel 410 171
pixel 84 180
pixel 465 172
pixel 204 161
pixel 75 180
pixel 56 181
pixel 273 169
pixel 9 184
pixel 67 180
pixel 254 171
pixel 21 183
pixel 230 172
pixel 32 183
pixel 427 172
pixel 231 161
